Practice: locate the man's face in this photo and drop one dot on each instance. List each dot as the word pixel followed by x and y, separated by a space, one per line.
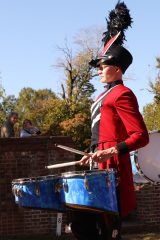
pixel 27 124
pixel 14 119
pixel 109 73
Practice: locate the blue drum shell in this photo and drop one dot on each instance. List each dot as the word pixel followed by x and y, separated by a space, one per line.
pixel 42 193
pixel 90 190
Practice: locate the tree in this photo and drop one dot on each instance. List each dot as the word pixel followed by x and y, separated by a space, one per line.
pixel 30 103
pixel 79 128
pixel 2 113
pixel 52 113
pixel 77 90
pixel 7 105
pixel 151 112
pixel 78 73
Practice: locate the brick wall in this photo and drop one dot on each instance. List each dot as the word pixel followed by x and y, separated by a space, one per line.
pixel 23 158
pixel 27 157
pixel 148 205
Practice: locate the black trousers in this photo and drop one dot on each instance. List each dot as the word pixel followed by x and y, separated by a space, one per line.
pixel 93 226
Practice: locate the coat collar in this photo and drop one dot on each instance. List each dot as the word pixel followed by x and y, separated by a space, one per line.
pixel 112 84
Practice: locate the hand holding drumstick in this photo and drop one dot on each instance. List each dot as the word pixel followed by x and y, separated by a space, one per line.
pixel 99 156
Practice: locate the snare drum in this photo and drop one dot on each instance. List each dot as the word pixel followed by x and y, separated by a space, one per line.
pixel 39 192
pixel 146 161
pixel 90 190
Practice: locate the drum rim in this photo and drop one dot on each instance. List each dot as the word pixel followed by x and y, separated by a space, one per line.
pixel 34 179
pixel 87 172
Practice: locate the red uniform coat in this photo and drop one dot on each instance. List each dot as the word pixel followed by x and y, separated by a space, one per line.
pixel 121 122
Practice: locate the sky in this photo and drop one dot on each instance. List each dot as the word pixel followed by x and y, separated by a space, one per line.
pixel 31 30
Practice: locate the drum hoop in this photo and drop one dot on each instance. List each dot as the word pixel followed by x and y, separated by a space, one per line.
pixel 87 172
pixel 34 179
pixel 141 172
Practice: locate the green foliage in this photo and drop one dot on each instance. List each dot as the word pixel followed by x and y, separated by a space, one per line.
pixel 66 121
pixel 55 116
pixel 56 111
pixel 32 104
pixel 79 128
pixel 155 89
pixel 7 104
pixel 151 112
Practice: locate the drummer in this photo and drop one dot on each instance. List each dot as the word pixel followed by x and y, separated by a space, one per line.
pixel 117 129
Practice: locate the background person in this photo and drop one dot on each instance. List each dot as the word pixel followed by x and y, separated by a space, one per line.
pixel 28 129
pixel 7 129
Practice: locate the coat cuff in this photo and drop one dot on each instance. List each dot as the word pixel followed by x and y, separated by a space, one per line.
pixel 122 148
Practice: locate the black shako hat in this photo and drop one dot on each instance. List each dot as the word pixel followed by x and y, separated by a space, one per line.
pixel 113 52
pixel 116 55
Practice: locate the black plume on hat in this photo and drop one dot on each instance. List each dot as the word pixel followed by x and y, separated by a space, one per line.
pixel 119 20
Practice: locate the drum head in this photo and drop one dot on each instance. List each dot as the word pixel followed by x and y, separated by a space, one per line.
pixel 138 177
pixel 149 158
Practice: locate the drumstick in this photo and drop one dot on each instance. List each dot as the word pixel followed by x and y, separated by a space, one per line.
pixel 72 150
pixel 59 165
